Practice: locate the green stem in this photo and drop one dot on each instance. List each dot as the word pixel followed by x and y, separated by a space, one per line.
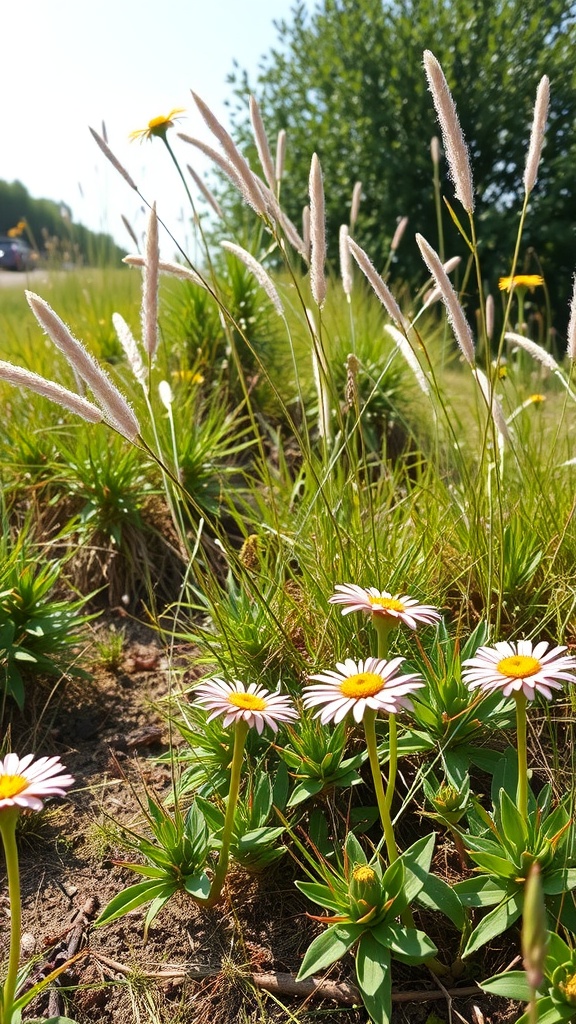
pixel 384 627
pixel 370 733
pixel 392 759
pixel 240 734
pixel 522 796
pixel 8 820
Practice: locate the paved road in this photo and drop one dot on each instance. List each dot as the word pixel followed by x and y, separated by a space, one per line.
pixel 15 279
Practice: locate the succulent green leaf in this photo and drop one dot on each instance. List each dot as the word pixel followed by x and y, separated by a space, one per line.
pixel 354 851
pixel 130 899
pixel 480 891
pixel 322 895
pixel 563 880
pixel 374 978
pixel 511 984
pixel 436 894
pixel 329 947
pixel 198 885
pixel 409 945
pixel 496 922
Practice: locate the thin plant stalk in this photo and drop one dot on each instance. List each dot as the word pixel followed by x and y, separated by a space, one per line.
pixel 371 746
pixel 195 216
pixel 8 820
pixel 383 629
pixel 240 734
pixel 522 795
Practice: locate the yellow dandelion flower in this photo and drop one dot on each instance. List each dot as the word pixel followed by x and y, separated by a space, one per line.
pixel 530 281
pixel 190 376
pixel 158 125
pixel 537 398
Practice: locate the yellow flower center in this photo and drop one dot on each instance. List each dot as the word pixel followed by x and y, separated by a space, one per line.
pixel 389 603
pixel 247 701
pixel 363 684
pixel 363 874
pixel 518 666
pixel 157 121
pixel 569 988
pixel 11 785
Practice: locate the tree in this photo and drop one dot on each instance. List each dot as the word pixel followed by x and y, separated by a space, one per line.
pixel 47 221
pixel 347 82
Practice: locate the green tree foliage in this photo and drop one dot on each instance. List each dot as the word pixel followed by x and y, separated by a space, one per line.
pixel 49 223
pixel 347 82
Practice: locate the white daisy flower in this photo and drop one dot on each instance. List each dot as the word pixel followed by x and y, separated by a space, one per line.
pixel 381 603
pixel 354 687
pixel 252 704
pixel 26 783
pixel 519 666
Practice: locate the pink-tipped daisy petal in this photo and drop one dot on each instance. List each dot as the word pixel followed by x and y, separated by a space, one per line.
pixel 252 704
pixel 356 686
pixel 520 667
pixel 26 783
pixel 379 602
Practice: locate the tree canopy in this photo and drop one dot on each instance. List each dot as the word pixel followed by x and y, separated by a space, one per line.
pixel 47 222
pixel 347 82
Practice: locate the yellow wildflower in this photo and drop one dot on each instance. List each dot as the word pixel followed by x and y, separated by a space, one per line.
pixel 530 281
pixel 158 125
pixel 190 376
pixel 16 231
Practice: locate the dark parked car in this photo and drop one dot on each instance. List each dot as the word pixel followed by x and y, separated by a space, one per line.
pixel 16 254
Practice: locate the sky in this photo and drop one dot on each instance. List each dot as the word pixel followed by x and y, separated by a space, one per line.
pixel 70 64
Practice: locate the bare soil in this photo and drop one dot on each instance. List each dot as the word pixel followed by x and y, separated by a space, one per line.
pixel 197 966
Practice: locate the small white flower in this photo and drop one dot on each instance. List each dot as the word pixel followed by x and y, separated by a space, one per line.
pixel 354 687
pixel 381 603
pixel 26 783
pixel 252 704
pixel 515 667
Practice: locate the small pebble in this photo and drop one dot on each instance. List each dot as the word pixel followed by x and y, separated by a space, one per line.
pixel 27 944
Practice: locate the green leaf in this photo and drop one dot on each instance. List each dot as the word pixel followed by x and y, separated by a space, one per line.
pixel 512 824
pixel 511 984
pixel 304 790
pixel 156 906
pixel 480 891
pixel 50 1020
pixel 409 945
pixel 436 894
pixel 198 885
pixel 557 953
pixel 329 947
pixel 494 865
pixel 417 859
pixel 354 851
pixel 258 837
pixel 129 899
pixel 555 882
pixel 550 1012
pixel 144 869
pixel 322 895
pixel 496 922
pixel 374 978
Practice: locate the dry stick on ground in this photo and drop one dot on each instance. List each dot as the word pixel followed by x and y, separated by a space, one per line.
pixel 285 984
pixel 76 937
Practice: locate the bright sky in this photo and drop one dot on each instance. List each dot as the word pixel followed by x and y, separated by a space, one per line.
pixel 68 64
